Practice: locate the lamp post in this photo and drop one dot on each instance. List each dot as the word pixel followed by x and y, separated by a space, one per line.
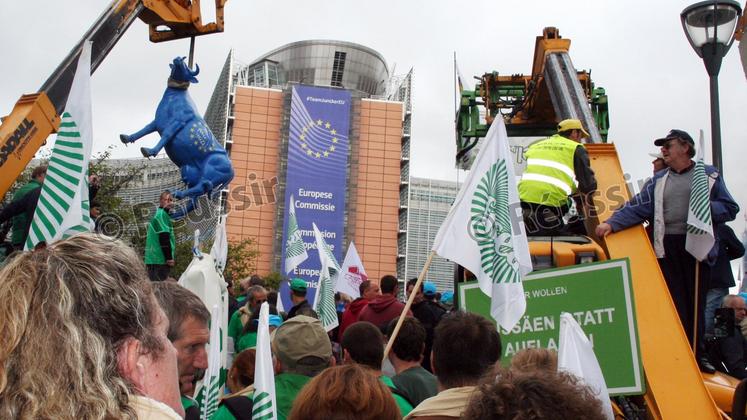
pixel 709 26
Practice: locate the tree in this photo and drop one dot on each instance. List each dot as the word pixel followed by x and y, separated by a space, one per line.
pixel 241 261
pixel 118 218
pixel 272 280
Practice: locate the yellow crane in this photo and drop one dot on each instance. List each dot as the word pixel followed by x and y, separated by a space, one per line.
pixel 37 115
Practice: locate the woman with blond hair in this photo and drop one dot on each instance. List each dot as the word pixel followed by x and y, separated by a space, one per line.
pixel 83 336
pixel 345 392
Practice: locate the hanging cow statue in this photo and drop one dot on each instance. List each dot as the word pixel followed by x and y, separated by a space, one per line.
pixel 189 143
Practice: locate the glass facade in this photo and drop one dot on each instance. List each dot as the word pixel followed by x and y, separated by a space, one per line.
pixel 321 63
pixel 430 201
pixel 340 64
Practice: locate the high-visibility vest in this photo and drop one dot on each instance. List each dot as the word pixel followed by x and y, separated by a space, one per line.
pixel 550 176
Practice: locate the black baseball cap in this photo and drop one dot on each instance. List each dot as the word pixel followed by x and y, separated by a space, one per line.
pixel 675 134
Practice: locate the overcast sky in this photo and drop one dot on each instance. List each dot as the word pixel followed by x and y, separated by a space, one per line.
pixel 635 49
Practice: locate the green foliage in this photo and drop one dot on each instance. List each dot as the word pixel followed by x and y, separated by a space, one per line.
pixel 241 261
pixel 272 280
pixel 118 218
pixel 183 253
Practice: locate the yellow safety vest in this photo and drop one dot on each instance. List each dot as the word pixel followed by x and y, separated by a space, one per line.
pixel 550 176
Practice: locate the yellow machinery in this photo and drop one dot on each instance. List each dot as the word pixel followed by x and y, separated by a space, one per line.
pixel 532 106
pixel 36 116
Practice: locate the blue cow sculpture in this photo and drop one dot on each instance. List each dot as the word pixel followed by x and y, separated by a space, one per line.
pixel 189 143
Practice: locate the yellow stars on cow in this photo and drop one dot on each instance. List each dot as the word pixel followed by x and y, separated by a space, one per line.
pixel 315 135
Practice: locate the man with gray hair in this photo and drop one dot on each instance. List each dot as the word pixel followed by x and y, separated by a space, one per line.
pixel 255 296
pixel 733 348
pixel 189 332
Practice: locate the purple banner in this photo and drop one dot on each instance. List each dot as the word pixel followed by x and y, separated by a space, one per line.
pixel 318 151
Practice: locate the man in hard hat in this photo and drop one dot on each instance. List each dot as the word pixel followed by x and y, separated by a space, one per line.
pixel 557 168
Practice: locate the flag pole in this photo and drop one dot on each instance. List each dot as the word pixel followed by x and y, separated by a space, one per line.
pixel 695 313
pixel 407 305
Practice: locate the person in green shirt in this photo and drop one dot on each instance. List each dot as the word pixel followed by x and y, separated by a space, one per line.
pixel 363 343
pixel 416 383
pixel 302 350
pixel 21 208
pixel 160 243
pixel 256 295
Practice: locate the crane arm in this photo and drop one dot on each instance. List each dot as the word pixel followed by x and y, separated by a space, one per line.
pixel 35 116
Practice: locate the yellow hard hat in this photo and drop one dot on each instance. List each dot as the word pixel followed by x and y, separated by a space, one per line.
pixel 566 125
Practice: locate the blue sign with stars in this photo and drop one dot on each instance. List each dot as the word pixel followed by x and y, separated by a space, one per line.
pixel 316 176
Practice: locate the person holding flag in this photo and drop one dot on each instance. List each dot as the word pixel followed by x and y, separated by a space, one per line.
pixel 684 202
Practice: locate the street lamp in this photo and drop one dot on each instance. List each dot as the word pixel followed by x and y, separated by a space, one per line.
pixel 709 26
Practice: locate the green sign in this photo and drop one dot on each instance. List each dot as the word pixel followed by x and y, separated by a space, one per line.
pixel 600 298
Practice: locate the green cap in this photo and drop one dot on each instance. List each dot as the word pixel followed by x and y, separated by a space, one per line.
pixel 298 285
pixel 299 337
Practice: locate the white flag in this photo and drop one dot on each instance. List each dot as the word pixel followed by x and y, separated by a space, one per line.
pixel 352 273
pixel 64 208
pixel 202 278
pixel 700 239
pixel 576 356
pixel 295 251
pixel 212 374
pixel 219 250
pixel 324 301
pixel 484 231
pixel 325 254
pixel 264 401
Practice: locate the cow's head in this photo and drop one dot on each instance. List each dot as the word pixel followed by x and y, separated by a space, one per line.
pixel 180 71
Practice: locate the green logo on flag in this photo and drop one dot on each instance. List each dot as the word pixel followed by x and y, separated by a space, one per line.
pixel 491 226
pixel 262 406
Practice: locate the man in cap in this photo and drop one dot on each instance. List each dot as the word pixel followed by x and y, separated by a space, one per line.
pixel 429 313
pixel 664 202
pixel 298 297
pixel 557 167
pixel 301 350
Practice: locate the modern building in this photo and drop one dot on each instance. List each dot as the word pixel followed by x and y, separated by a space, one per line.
pixel 158 175
pixel 322 125
pixel 430 201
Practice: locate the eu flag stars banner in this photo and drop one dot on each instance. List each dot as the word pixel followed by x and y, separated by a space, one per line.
pixel 316 177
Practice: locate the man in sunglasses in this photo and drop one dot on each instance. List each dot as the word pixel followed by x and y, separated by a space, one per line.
pixel 664 202
pixel 255 296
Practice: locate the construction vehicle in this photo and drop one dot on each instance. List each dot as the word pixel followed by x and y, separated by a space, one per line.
pixel 36 116
pixel 531 106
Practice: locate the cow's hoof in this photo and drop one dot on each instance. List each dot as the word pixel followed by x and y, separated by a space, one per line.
pixel 124 138
pixel 146 152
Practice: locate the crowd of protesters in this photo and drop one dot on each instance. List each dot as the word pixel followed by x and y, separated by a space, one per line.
pixel 88 336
